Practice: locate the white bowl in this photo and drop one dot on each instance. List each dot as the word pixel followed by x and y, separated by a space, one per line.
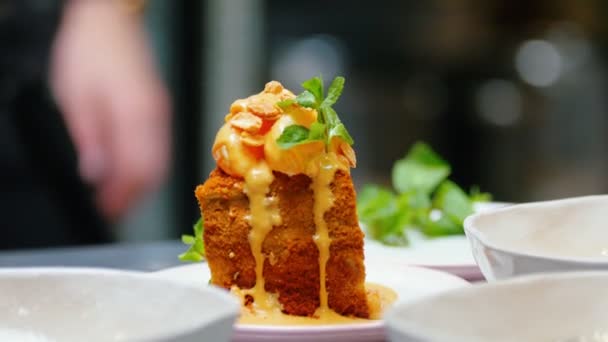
pixel 563 235
pixel 63 304
pixel 566 307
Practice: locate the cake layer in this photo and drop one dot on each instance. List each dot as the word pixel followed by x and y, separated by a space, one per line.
pixel 291 268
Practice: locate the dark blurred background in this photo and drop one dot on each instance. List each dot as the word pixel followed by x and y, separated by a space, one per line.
pixel 512 93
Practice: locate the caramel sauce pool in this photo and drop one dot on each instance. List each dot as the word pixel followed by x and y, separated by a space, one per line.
pixel 379 298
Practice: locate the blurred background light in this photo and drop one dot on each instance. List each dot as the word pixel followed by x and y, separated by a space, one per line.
pixel 499 102
pixel 298 59
pixel 538 63
pixel 571 43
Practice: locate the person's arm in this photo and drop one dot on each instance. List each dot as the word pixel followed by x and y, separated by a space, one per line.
pixel 133 6
pixel 114 104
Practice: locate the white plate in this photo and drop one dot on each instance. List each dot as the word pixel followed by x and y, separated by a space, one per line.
pixel 410 283
pixel 450 254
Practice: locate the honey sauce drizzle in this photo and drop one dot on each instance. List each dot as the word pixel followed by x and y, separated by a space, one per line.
pixel 263 216
pixel 323 201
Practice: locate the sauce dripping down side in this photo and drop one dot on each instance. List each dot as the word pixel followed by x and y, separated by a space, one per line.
pixel 322 177
pixel 264 214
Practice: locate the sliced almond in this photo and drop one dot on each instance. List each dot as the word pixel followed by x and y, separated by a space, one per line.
pixel 265 110
pixel 273 87
pixel 252 140
pixel 286 94
pixel 238 106
pixel 347 151
pixel 264 106
pixel 246 121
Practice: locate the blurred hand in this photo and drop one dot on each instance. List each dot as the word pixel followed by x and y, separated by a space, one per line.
pixel 114 104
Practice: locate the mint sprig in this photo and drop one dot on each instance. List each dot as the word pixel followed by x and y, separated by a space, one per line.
pixel 328 124
pixel 423 198
pixel 422 170
pixel 196 250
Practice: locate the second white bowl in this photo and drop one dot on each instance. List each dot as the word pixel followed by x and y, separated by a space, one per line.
pixel 73 304
pixel 566 307
pixel 563 235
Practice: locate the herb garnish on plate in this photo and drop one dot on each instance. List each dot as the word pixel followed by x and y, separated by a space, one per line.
pixel 423 198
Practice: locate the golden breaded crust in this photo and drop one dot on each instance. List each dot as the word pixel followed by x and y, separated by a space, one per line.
pixel 291 269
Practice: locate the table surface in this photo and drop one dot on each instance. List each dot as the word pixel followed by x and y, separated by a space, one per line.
pixel 148 256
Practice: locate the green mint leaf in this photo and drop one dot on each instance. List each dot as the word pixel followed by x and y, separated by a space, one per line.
pixel 321 115
pixel 421 170
pixel 293 135
pixel 196 250
pixel 199 228
pixel 374 201
pixel 476 196
pixel 315 87
pixel 188 239
pixel 418 200
pixel 397 239
pixel 330 116
pixel 191 256
pixel 317 131
pixel 286 103
pixel 297 135
pixel 328 124
pixel 453 202
pixel 441 227
pixel 336 127
pixel 341 132
pixel 199 246
pixel 307 99
pixel 384 219
pixel 334 92
pixel 406 213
